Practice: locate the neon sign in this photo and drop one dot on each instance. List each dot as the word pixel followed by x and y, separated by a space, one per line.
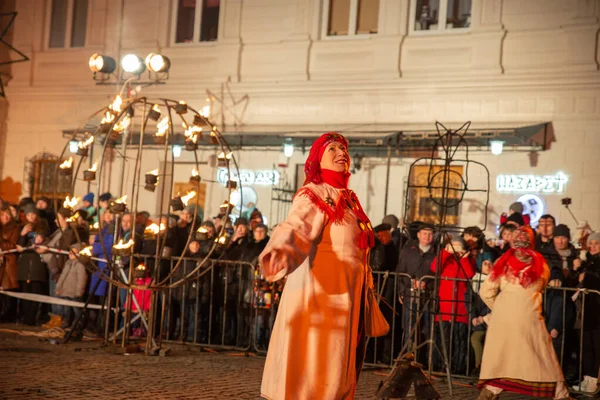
pixel 248 177
pixel 532 183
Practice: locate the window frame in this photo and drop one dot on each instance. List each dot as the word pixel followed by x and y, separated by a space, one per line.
pixel 68 27
pixel 352 23
pixel 197 25
pixel 441 29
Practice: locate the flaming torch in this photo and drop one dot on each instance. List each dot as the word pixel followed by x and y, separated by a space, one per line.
pixel 106 121
pixel 179 202
pixel 66 168
pixel 195 177
pixel 154 113
pixel 122 125
pixel 85 254
pixel 82 147
pixel 153 229
pixel 213 137
pixel 151 180
pixel 202 233
pixel 70 203
pixel 90 174
pixel 95 228
pixel 223 159
pixel 192 133
pixel 118 206
pixel 162 126
pixel 181 107
pixel 123 249
pixel 116 104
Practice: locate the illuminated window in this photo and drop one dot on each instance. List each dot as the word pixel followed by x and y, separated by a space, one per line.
pixel 351 17
pixel 67 23
pixel 196 20
pixel 440 15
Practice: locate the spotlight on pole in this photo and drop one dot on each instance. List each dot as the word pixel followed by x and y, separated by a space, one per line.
pixel 288 149
pixel 133 64
pixel 158 63
pixel 100 63
pixel 176 151
pixel 73 146
pixel 496 147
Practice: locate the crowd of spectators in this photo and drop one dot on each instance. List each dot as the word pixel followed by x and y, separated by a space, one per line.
pixel 222 306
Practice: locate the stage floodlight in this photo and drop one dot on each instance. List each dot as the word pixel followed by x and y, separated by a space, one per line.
pixel 496 147
pixel 133 64
pixel 158 63
pixel 100 63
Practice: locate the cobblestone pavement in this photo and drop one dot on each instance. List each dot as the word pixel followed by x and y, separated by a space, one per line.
pixel 33 368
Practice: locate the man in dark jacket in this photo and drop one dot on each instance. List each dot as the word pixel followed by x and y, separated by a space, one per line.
pixel 545 233
pixel 415 261
pixel 564 256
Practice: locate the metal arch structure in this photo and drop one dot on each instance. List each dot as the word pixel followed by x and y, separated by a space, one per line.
pixel 112 126
pixel 444 155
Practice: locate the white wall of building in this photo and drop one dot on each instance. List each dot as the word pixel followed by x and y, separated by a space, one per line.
pixel 520 63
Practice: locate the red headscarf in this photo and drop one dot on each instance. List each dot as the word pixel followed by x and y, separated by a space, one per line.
pixel 521 261
pixel 339 180
pixel 312 167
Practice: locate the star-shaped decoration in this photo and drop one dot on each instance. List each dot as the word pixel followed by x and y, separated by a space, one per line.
pixel 11 18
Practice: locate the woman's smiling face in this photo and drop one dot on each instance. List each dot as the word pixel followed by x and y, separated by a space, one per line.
pixel 336 157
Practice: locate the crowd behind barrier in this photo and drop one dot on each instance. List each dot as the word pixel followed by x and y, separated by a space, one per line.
pixel 226 303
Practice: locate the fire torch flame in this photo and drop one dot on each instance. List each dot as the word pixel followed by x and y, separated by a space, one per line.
pixel 195 172
pixel 202 230
pixel 116 105
pixel 141 267
pixel 108 118
pixel 192 133
pixel 74 218
pixel 223 156
pixel 124 124
pixel 67 163
pixel 121 200
pixel 205 112
pixel 156 108
pixel 153 172
pixel 94 167
pixel 123 246
pixel 83 145
pixel 185 199
pixel 153 229
pixel 162 126
pixel 222 239
pixel 70 203
pixel 96 226
pixel 86 251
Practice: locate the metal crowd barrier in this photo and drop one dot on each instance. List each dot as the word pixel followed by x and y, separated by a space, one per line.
pixel 227 305
pixel 426 333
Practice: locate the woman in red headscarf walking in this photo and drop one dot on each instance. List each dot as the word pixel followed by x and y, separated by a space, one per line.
pixel 518 355
pixel 317 346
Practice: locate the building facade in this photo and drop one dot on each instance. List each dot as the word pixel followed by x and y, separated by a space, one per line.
pixel 366 66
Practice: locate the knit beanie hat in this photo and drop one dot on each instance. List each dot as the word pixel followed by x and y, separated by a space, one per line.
pixel 516 207
pixel 31 209
pixel 562 230
pixel 593 236
pixel 517 218
pixel 392 220
pixel 105 196
pixel 89 198
pixel 382 228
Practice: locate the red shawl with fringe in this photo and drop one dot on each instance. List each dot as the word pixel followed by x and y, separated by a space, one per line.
pixel 520 262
